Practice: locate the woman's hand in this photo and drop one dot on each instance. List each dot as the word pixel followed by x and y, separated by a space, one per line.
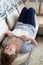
pixel 9 34
pixel 24 38
pixel 34 42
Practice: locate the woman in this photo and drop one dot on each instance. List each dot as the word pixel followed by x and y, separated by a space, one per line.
pixel 14 44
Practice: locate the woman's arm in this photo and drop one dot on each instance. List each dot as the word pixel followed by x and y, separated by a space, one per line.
pixel 25 38
pixel 33 41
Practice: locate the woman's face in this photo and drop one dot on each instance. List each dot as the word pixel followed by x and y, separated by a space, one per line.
pixel 10 49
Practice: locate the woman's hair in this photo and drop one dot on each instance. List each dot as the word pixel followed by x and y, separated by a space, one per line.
pixel 7 59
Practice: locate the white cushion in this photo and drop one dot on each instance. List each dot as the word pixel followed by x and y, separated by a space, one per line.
pixel 41 11
pixel 12 18
pixel 35 5
pixel 3 29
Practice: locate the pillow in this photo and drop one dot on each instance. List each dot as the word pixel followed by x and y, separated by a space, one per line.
pixel 3 15
pixel 12 19
pixel 4 6
pixel 3 29
pixel 13 2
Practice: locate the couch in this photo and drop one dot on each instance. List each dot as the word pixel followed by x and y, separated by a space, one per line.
pixel 9 24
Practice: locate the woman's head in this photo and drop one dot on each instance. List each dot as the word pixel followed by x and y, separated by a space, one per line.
pixel 8 55
pixel 10 49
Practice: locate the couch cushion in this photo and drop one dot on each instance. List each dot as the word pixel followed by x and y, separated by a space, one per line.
pixel 3 29
pixel 12 19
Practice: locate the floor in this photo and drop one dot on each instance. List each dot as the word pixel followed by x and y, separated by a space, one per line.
pixel 37 55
